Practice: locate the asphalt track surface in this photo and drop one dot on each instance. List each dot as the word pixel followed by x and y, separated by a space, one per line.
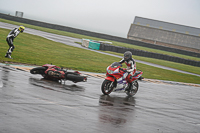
pixel 71 41
pixel 30 104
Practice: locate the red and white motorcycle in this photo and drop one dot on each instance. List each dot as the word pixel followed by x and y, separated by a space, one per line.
pixel 56 73
pixel 117 80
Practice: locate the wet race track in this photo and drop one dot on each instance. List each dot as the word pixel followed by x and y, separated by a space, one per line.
pixel 30 104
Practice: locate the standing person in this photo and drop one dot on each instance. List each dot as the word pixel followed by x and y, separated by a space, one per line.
pixel 10 38
pixel 131 67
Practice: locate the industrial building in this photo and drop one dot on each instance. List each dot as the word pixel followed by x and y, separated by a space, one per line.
pixel 165 33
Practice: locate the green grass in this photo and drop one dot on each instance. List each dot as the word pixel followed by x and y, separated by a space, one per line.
pixel 94 38
pixel 31 49
pixel 36 50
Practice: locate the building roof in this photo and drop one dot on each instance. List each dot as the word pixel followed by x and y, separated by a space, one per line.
pixel 167 26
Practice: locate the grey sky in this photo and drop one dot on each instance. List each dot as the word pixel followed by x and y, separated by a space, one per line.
pixel 112 17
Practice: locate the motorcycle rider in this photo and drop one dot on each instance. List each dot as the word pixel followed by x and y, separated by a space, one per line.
pixel 10 38
pixel 131 67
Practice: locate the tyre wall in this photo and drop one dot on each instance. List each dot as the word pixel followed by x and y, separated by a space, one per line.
pixel 106 47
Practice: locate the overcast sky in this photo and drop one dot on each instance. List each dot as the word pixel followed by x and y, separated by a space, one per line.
pixel 112 17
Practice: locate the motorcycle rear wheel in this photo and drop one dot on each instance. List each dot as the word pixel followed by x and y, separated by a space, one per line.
pixel 76 77
pixel 38 70
pixel 107 87
pixel 133 89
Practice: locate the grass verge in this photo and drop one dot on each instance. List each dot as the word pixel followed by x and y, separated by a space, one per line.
pixel 31 49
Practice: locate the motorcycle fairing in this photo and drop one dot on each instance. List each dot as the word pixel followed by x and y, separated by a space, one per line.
pixel 134 77
pixel 110 78
pixel 121 84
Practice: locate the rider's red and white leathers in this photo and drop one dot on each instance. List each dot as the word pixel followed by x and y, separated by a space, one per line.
pixel 131 66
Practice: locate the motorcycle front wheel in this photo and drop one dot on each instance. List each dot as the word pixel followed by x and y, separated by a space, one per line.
pixel 107 87
pixel 133 89
pixel 38 70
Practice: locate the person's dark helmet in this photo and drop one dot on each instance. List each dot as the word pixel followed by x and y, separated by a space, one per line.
pixel 127 55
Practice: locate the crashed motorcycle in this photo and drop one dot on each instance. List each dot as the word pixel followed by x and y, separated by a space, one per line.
pixel 53 72
pixel 117 80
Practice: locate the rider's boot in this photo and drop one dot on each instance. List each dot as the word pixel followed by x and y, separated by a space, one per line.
pixel 8 55
pixel 128 88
